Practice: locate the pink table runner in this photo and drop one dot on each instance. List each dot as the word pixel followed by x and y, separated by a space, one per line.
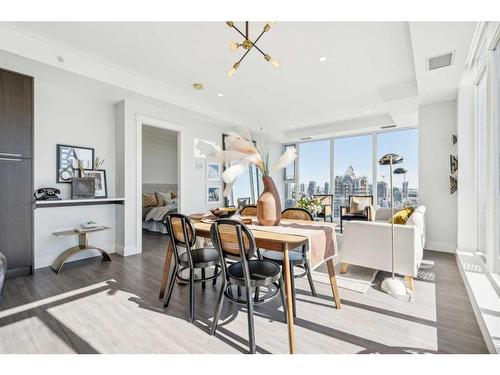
pixel 320 235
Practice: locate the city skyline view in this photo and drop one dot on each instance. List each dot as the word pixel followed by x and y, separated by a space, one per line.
pixel 353 167
pixel 314 157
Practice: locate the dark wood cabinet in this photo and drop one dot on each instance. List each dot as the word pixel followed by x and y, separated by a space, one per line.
pixel 16 215
pixel 16 115
pixel 16 172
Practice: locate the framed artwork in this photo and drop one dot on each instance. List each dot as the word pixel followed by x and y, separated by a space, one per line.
pixel 67 157
pixel 453 164
pixel 213 171
pixel 214 195
pixel 101 185
pixel 453 185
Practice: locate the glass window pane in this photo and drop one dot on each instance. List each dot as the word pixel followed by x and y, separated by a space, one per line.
pixel 290 168
pixel 482 163
pixel 352 169
pixel 241 189
pixel 405 186
pixel 290 194
pixel 314 167
pixel 247 186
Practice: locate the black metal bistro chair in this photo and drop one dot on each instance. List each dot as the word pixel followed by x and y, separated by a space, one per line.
pixel 297 258
pixel 183 234
pixel 235 241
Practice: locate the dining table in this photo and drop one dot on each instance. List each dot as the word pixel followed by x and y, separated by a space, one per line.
pixel 284 242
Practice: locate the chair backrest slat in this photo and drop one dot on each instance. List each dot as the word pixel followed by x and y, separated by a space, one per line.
pixel 224 234
pixel 181 228
pixel 296 213
pixel 250 210
pixel 326 203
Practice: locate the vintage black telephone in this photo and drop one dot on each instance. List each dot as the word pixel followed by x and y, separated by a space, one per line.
pixel 47 194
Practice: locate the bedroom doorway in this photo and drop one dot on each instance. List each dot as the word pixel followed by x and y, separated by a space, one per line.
pixel 158 181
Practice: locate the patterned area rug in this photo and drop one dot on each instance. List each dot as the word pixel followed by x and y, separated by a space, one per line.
pixel 358 279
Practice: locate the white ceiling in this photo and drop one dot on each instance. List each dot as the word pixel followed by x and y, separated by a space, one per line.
pixel 364 60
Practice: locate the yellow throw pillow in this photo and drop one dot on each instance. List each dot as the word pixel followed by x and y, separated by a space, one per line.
pixel 149 200
pixel 402 216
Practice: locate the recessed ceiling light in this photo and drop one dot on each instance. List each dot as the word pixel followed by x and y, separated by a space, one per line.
pixel 198 86
pixel 368 111
pixel 220 94
pixel 291 126
pixel 323 59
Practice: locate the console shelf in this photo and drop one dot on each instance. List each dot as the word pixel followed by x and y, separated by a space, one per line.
pixel 79 202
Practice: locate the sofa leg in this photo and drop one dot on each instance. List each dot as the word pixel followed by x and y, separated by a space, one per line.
pixel 409 283
pixel 343 267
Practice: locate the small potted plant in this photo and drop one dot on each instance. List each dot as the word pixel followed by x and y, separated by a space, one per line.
pixel 311 204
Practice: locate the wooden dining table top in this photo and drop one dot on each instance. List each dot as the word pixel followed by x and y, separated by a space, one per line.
pixel 270 238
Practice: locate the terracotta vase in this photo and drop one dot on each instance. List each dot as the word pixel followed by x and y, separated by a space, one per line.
pixel 269 204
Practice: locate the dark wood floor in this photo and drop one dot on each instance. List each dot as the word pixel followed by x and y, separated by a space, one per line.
pixel 94 307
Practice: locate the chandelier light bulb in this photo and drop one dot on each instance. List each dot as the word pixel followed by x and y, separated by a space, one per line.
pixel 233 70
pixel 233 46
pixel 275 63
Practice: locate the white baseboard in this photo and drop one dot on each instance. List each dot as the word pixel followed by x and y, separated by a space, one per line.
pixel 445 247
pixel 127 250
pixel 470 263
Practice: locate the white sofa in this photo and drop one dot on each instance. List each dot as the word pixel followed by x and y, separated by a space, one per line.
pixel 368 244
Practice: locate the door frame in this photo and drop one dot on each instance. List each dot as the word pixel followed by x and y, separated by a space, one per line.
pixel 141 121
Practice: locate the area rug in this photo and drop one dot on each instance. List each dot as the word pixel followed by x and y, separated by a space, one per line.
pixel 358 279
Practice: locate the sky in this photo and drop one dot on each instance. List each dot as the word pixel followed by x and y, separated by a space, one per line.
pixel 314 157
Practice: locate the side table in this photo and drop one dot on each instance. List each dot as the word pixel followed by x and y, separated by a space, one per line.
pixel 83 244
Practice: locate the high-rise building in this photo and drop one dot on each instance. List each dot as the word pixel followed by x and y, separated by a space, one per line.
pixel 347 185
pixel 405 190
pixel 302 188
pixel 311 188
pixel 327 188
pixel 382 190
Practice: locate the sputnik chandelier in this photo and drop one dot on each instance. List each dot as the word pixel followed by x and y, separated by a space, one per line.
pixel 248 45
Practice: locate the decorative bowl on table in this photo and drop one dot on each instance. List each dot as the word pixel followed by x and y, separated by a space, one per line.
pixel 223 212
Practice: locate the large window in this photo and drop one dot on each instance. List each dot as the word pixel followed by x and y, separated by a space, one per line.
pixel 482 163
pixel 349 169
pixel 246 188
pixel 496 153
pixel 352 169
pixel 405 185
pixel 314 168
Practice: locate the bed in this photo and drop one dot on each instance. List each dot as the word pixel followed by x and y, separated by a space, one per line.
pixel 155 210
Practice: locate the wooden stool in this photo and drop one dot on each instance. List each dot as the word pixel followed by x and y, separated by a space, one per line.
pixel 83 244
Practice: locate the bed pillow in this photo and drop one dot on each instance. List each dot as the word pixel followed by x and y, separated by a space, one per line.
pixel 149 200
pixel 162 198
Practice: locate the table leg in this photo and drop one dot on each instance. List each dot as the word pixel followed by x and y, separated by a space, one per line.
pixel 333 282
pixel 166 269
pixel 289 306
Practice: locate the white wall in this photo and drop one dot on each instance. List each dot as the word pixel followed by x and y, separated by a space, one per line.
pixel 67 111
pixel 192 186
pixel 159 159
pixel 466 193
pixel 437 123
pixel 193 127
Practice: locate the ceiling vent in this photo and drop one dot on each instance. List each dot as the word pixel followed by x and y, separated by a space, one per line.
pixel 441 61
pixel 387 126
pixel 305 138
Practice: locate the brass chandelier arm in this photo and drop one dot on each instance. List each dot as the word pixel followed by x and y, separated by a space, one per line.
pixel 256 40
pixel 239 32
pixel 244 55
